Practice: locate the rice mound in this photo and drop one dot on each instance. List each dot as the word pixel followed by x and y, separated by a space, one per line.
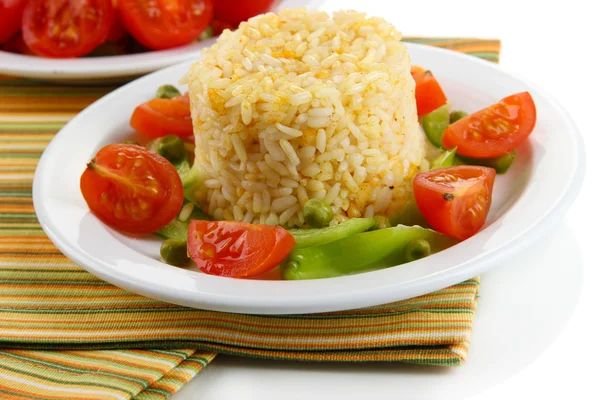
pixel 300 105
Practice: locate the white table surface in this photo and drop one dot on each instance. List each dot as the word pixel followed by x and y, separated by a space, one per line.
pixel 535 333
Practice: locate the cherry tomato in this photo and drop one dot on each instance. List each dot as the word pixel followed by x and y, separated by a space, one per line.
pixel 161 117
pixel 237 249
pixel 428 92
pixel 131 188
pixel 236 11
pixel 11 12
pixel 165 23
pixel 117 30
pixel 495 130
pixel 66 28
pixel 16 45
pixel 455 200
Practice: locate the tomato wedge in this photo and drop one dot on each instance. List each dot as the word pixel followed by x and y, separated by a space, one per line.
pixel 495 130
pixel 161 117
pixel 428 92
pixel 11 12
pixel 131 188
pixel 66 28
pixel 237 249
pixel 165 23
pixel 455 200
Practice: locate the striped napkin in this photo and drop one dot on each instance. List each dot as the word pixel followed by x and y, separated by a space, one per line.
pixel 66 334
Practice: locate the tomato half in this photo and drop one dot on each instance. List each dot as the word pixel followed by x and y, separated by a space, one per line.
pixel 131 188
pixel 164 24
pixel 11 12
pixel 161 117
pixel 495 130
pixel 428 92
pixel 237 249
pixel 66 28
pixel 455 200
pixel 236 11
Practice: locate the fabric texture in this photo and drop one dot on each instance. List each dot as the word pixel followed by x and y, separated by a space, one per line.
pixel 66 334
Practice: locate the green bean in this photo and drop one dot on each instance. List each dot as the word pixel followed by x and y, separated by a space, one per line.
pixel 178 227
pixel 500 164
pixel 167 92
pixel 456 115
pixel 435 123
pixel 446 159
pixel 174 252
pixel 170 147
pixel 319 236
pixel 417 249
pixel 207 33
pixel 317 213
pixel 367 251
pixel 410 215
pixel 381 222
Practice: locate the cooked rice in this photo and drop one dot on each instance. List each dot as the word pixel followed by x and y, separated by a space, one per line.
pixel 299 105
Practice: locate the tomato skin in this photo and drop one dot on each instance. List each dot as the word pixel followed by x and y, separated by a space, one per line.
pixel 428 92
pixel 161 117
pixel 499 128
pixel 165 24
pixel 237 249
pixel 66 28
pixel 16 45
pixel 132 189
pixel 11 12
pixel 236 11
pixel 455 200
pixel 117 30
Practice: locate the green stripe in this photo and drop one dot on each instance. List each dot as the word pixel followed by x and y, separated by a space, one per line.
pixel 62 367
pixel 32 374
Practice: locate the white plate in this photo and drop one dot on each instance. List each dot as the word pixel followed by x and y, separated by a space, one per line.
pixel 111 68
pixel 528 200
pixel 100 69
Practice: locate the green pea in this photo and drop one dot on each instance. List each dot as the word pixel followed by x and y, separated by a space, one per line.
pixel 129 141
pixel 317 213
pixel 170 147
pixel 456 115
pixel 174 252
pixel 381 222
pixel 417 249
pixel 167 92
pixel 447 159
pixel 435 123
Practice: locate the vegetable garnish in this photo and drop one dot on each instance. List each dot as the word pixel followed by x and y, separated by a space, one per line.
pixel 66 28
pixel 164 24
pixel 11 12
pixel 161 117
pixel 455 200
pixel 363 252
pixel 495 130
pixel 233 12
pixel 428 92
pixel 237 249
pixel 131 188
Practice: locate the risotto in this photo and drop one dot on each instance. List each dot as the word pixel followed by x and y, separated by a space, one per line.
pixel 302 105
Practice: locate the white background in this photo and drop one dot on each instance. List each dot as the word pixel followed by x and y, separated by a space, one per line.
pixel 535 334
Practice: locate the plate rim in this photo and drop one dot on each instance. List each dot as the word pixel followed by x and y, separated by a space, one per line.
pixel 338 302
